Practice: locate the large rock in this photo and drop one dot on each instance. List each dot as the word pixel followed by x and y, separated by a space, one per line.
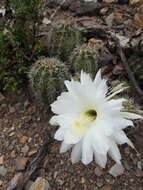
pixel 116 170
pixel 79 7
pixel 40 184
pixel 20 163
pixel 3 171
pixel 14 182
pixel 85 8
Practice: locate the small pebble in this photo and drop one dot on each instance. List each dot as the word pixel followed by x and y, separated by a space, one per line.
pixel 14 181
pixel 12 110
pixel 3 171
pixel 1 182
pixel 1 160
pixel 140 164
pixel 139 173
pixel 25 149
pixel 32 152
pixel 20 163
pixel 98 171
pixel 24 139
pixel 26 103
pixel 116 170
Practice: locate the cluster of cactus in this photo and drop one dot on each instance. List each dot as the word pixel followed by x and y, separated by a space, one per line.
pixel 47 75
pixel 47 79
pixel 63 38
pixel 84 58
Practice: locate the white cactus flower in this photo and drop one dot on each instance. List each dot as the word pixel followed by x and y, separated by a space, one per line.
pixel 91 122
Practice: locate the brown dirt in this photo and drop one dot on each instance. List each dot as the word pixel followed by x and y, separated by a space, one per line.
pixel 23 123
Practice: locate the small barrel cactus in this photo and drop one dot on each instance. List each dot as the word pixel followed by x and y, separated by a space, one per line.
pixel 63 38
pixel 84 58
pixel 47 79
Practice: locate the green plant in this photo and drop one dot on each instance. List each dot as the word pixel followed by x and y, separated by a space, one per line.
pixel 84 58
pixel 19 46
pixel 26 20
pixel 47 79
pixel 63 38
pixel 12 63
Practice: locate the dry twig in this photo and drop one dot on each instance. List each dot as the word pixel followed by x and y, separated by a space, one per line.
pixel 126 66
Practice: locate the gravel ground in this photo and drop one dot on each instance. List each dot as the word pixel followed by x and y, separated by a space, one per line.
pixel 22 126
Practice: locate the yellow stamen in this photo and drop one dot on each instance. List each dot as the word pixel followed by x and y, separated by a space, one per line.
pixel 84 119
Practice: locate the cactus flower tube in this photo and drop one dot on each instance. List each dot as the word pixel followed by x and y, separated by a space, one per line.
pixel 91 122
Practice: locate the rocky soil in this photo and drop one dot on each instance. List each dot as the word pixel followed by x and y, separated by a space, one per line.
pixel 22 125
pixel 23 121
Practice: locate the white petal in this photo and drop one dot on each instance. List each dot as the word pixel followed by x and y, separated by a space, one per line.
pixel 85 78
pixel 121 138
pixel 129 115
pixel 63 120
pixel 76 152
pixel 59 135
pixel 126 123
pixel 121 123
pixel 65 103
pixel 102 87
pixel 109 131
pixel 115 93
pixel 71 138
pixel 87 151
pixel 72 86
pixel 98 78
pixel 115 153
pixel 100 159
pixel 57 119
pixel 100 143
pixel 53 121
pixel 65 147
pixel 115 104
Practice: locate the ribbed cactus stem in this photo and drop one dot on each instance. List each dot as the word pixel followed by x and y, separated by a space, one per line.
pixel 84 58
pixel 63 38
pixel 47 79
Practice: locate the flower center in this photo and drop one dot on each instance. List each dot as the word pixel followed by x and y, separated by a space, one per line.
pixel 85 118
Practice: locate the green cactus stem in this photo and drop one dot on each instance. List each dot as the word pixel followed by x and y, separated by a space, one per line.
pixel 47 79
pixel 63 38
pixel 84 58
